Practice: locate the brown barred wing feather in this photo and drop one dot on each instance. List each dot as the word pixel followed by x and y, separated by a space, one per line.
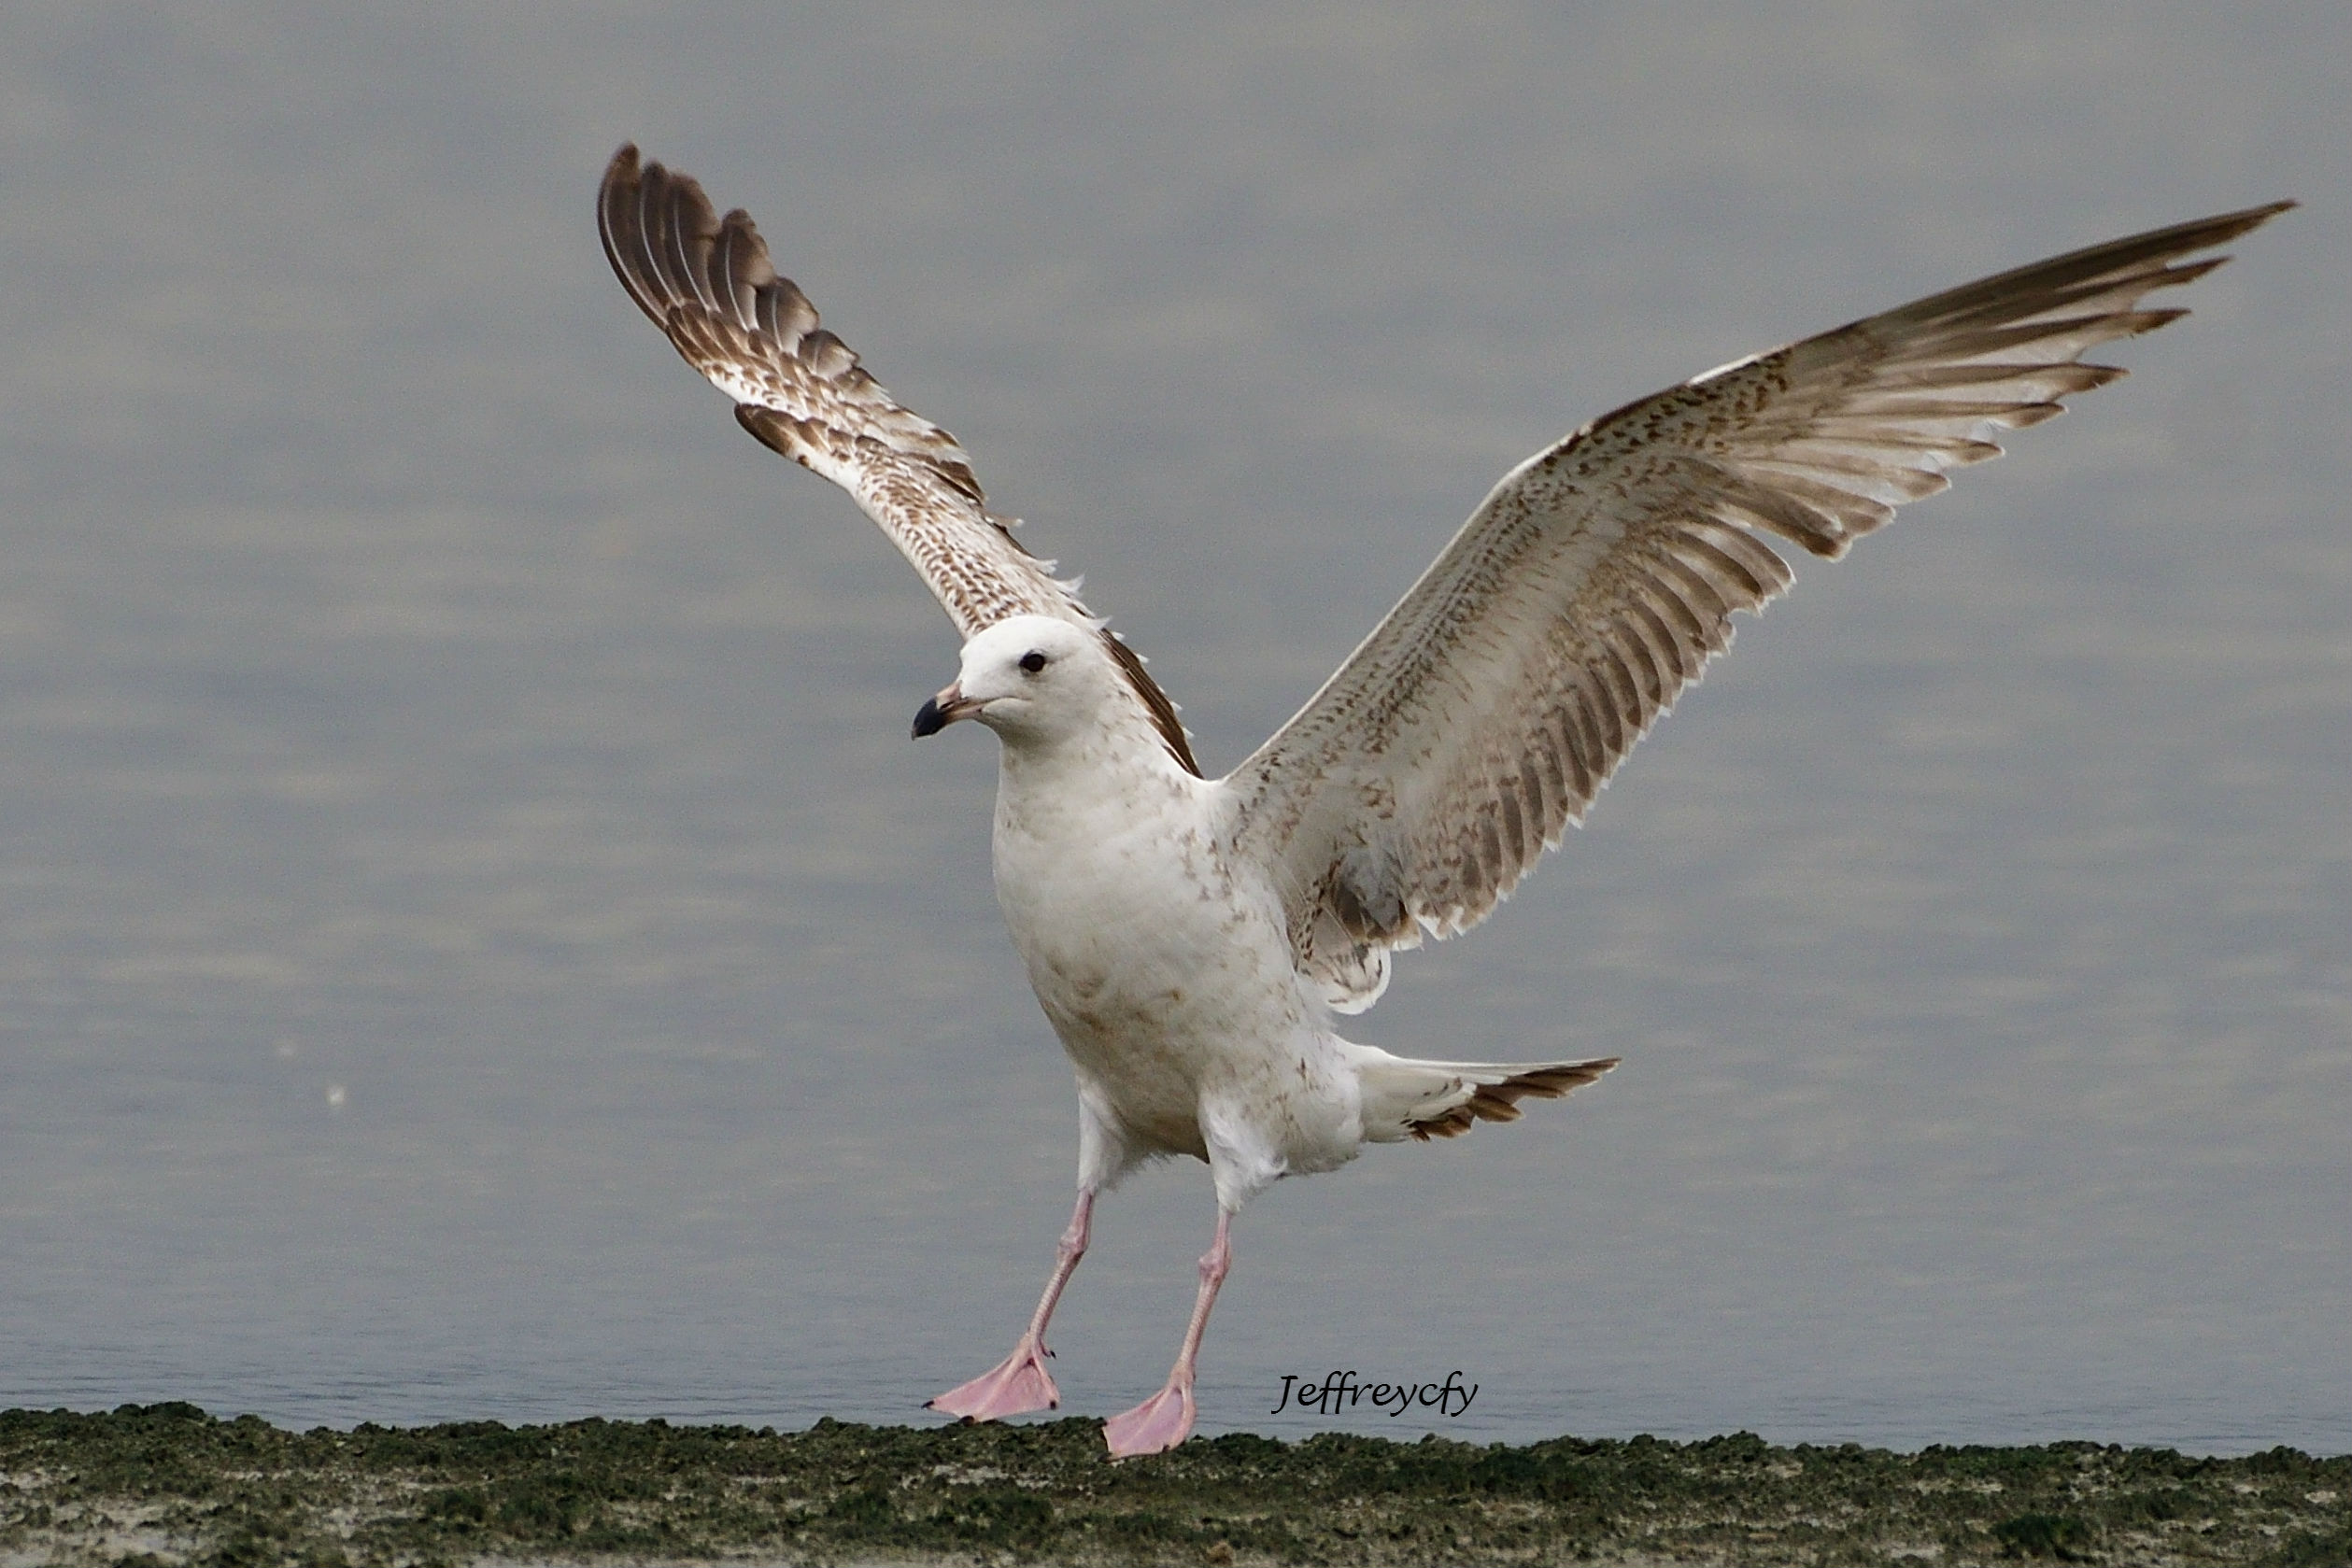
pixel 707 283
pixel 1460 741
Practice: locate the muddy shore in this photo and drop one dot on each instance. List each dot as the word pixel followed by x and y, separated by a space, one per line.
pixel 142 1487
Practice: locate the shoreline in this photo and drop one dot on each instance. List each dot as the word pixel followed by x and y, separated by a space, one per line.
pixel 164 1485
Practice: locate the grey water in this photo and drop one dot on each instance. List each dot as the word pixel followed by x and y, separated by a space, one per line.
pixel 476 941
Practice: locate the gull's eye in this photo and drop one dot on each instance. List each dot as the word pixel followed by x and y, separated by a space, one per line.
pixel 1032 661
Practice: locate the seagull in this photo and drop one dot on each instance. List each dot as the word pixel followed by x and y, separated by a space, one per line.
pixel 1194 940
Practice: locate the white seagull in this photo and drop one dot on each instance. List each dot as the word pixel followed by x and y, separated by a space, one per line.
pixel 1193 939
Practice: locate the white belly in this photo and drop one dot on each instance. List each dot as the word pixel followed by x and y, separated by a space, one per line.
pixel 1172 989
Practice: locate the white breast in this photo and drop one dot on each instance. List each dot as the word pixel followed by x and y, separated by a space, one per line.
pixel 1171 984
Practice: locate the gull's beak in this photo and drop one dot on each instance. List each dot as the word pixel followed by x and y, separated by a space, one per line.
pixel 944 710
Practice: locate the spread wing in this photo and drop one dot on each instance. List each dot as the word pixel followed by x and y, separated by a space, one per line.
pixel 1477 721
pixel 706 281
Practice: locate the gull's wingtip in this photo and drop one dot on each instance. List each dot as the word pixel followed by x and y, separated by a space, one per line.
pixel 2228 226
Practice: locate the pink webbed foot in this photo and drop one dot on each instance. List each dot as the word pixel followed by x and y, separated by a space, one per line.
pixel 1165 1419
pixel 1013 1387
pixel 1020 1383
pixel 1153 1427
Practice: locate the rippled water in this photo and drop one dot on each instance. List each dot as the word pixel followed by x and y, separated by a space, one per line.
pixel 476 941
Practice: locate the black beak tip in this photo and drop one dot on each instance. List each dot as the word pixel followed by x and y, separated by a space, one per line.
pixel 928 720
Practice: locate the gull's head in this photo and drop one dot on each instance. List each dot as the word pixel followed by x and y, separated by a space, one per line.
pixel 1029 678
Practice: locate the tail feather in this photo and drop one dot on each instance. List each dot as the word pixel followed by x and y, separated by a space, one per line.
pixel 1408 1098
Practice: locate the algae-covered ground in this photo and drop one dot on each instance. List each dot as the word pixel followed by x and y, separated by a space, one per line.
pixel 147 1485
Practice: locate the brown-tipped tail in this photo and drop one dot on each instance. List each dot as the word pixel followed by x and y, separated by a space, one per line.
pixel 1403 1097
pixel 1499 1102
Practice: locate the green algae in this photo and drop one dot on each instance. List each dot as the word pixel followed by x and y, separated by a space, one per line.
pixel 148 1487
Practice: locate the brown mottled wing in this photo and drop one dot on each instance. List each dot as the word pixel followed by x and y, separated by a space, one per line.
pixel 1594 582
pixel 707 282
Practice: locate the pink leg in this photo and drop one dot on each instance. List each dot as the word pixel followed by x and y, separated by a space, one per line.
pixel 1020 1382
pixel 1165 1419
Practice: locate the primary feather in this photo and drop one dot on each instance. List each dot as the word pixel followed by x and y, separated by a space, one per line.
pixel 706 282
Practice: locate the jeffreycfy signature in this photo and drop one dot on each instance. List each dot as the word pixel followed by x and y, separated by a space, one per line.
pixel 1339 1391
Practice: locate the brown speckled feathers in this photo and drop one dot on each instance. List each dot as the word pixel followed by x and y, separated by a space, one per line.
pixel 707 282
pixel 1477 721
